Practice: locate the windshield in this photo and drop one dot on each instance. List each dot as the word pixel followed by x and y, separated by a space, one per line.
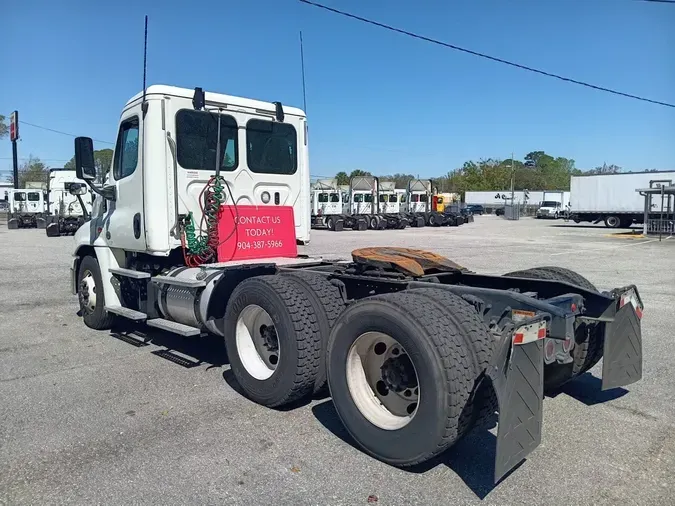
pixel 335 197
pixel 550 203
pixel 33 196
pixel 19 196
pixel 323 197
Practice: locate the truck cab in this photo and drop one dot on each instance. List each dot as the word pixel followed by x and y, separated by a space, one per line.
pixel 550 209
pixel 167 151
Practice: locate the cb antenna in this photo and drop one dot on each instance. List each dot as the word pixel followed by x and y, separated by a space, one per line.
pixel 144 104
pixel 302 63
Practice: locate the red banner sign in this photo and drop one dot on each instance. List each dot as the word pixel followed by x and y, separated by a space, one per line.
pixel 248 232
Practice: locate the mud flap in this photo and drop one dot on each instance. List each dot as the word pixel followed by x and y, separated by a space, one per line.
pixel 518 382
pixel 622 355
pixel 12 224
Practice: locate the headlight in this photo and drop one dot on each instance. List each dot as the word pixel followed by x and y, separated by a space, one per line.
pixel 265 197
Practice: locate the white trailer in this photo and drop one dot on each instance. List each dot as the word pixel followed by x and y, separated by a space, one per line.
pixel 206 198
pixel 612 198
pixel 496 198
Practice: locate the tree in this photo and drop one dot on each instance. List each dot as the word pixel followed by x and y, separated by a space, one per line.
pixel 342 177
pixel 4 129
pixel 32 170
pixel 605 169
pixel 102 161
pixel 359 172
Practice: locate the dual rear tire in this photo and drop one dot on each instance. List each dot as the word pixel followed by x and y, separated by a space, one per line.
pixel 403 368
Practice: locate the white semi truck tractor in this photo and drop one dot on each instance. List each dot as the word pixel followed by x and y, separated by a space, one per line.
pixel 68 203
pixel 205 202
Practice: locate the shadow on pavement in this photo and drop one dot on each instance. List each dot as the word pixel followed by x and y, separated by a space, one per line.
pixel 472 458
pixel 187 352
pixel 588 389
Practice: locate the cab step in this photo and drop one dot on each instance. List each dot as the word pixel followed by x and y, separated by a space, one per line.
pixel 125 312
pixel 176 328
pixel 129 273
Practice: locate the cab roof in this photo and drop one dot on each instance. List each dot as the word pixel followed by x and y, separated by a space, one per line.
pixel 174 91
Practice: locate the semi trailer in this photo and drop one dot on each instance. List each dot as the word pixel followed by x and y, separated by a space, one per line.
pixel 205 203
pixel 68 203
pixel 613 198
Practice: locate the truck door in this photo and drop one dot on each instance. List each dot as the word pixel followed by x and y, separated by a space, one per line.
pixel 125 223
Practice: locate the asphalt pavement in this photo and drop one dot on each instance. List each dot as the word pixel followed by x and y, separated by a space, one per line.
pixel 87 417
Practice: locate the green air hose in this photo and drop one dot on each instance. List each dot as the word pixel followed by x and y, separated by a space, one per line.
pixel 204 247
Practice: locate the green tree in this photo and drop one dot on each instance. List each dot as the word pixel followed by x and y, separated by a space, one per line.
pixel 32 170
pixel 342 178
pixel 102 161
pixel 4 129
pixel 359 172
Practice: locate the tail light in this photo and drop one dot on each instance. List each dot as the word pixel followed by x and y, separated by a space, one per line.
pixel 529 333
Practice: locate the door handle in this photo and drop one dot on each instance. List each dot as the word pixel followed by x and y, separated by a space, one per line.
pixel 137 225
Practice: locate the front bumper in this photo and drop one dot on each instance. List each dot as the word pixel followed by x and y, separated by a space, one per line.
pixel 517 375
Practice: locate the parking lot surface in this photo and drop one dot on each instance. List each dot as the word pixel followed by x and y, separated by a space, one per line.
pixel 87 417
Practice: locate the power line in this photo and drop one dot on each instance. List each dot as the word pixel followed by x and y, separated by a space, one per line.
pixel 60 132
pixel 482 55
pixel 38 157
pixel 659 1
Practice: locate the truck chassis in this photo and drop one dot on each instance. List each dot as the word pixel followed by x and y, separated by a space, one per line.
pixel 416 349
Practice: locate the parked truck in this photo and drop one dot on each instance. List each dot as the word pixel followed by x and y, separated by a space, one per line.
pixel 67 206
pixel 554 205
pixel 27 208
pixel 612 198
pixel 198 237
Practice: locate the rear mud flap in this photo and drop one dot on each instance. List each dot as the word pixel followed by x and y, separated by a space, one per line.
pixel 518 383
pixel 622 355
pixel 12 224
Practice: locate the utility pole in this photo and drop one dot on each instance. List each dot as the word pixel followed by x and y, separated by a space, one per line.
pixel 14 136
pixel 513 175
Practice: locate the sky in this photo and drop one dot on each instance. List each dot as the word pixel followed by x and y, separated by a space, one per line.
pixel 376 100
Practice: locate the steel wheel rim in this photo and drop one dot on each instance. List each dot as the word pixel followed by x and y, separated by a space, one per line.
pixel 88 291
pixel 255 336
pixel 373 362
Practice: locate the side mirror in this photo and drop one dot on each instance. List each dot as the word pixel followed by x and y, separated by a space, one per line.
pixel 77 189
pixel 84 159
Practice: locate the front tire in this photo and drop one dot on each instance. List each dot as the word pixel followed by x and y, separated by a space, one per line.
pixel 400 377
pixel 91 296
pixel 273 340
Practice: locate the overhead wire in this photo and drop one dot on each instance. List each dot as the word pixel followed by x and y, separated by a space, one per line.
pixel 59 131
pixel 483 55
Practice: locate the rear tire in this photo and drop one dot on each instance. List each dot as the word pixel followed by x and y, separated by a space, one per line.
pixel 291 324
pixel 330 223
pixel 589 339
pixel 328 305
pixel 612 222
pixel 91 297
pixel 439 358
pixel 478 339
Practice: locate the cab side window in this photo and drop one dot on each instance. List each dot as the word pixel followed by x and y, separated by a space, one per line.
pixel 126 150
